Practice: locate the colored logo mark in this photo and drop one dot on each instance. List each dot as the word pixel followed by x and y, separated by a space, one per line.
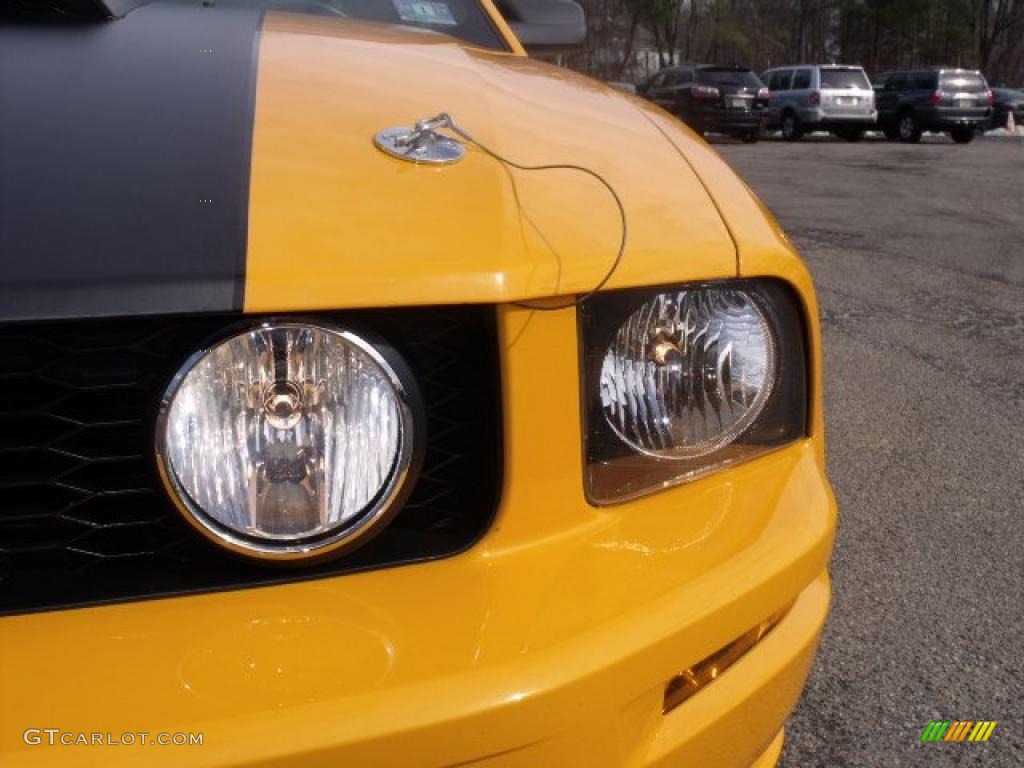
pixel 958 730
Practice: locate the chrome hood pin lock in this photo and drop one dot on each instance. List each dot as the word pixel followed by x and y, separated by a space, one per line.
pixel 421 143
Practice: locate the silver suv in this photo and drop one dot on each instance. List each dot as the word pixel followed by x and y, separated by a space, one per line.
pixel 815 97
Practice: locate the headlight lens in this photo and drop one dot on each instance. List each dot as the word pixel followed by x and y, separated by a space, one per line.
pixel 288 440
pixel 680 381
pixel 687 372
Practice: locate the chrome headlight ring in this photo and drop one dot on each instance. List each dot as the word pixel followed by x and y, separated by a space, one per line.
pixel 292 421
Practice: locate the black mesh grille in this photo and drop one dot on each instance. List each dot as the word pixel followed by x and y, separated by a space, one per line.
pixel 84 517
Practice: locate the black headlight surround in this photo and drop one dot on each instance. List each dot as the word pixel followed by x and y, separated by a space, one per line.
pixel 613 471
pixel 109 375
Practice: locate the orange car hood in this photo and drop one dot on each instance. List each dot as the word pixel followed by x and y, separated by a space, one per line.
pixel 334 222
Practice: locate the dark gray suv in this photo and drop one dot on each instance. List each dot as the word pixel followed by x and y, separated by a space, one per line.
pixel 726 99
pixel 953 101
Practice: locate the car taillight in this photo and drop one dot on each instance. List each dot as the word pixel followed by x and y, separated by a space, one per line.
pixel 705 92
pixel 990 98
pixel 764 94
pixel 814 99
pixel 936 98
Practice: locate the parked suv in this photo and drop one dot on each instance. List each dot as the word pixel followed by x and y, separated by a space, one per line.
pixel 708 97
pixel 820 98
pixel 953 101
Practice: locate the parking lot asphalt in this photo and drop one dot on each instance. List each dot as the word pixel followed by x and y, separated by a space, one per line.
pixel 918 256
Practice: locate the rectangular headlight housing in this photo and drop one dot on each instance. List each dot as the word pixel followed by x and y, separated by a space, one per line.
pixel 680 381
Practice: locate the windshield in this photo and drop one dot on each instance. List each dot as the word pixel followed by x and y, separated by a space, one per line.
pixel 464 19
pixel 966 82
pixel 742 78
pixel 844 78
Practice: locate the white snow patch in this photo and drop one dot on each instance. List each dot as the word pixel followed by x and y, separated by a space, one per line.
pixel 1005 133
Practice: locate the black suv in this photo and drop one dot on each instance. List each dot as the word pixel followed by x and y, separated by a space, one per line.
pixel 954 101
pixel 711 98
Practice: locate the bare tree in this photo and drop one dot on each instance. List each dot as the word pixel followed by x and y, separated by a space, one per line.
pixel 879 34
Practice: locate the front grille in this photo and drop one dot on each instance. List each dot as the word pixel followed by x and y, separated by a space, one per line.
pixel 84 517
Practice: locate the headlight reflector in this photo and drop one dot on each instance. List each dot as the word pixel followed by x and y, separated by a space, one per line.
pixel 688 371
pixel 287 440
pixel 680 381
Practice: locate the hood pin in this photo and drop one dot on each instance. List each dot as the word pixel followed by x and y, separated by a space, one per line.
pixel 421 143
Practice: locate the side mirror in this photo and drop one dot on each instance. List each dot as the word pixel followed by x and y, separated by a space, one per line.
pixel 546 26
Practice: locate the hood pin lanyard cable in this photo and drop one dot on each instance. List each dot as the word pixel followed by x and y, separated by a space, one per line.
pixel 425 130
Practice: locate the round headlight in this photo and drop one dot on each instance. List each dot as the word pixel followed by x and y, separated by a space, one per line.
pixel 287 440
pixel 688 372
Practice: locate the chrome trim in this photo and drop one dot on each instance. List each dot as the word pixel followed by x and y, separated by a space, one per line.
pixel 420 143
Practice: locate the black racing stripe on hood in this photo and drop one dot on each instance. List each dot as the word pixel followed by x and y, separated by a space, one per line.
pixel 125 151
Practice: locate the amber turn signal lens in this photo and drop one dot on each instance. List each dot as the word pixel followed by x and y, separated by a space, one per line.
pixel 690 681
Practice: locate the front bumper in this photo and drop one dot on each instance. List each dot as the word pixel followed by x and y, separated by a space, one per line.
pixel 548 643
